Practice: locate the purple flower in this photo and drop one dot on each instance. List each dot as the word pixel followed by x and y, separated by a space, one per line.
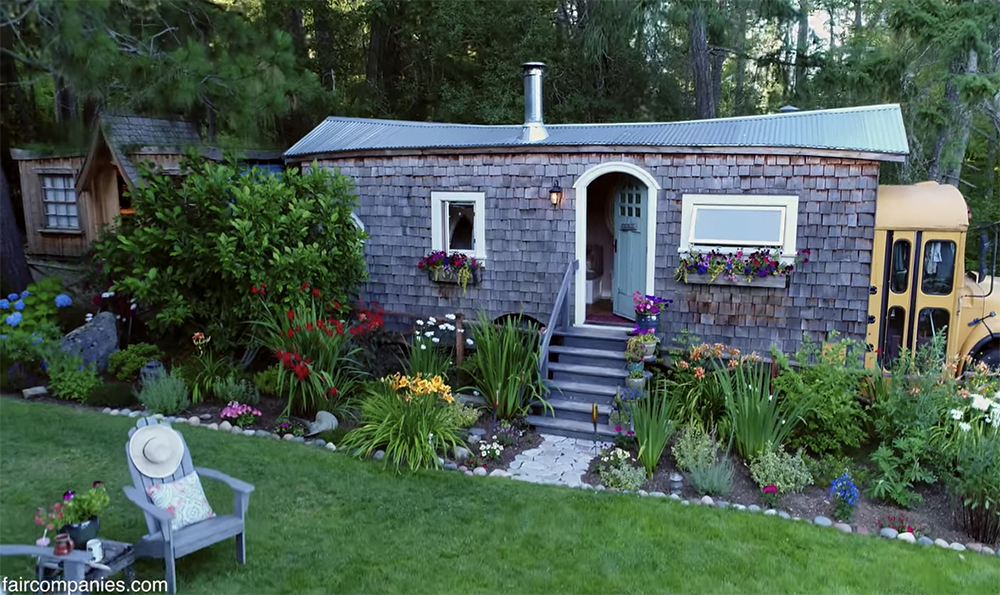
pixel 69 495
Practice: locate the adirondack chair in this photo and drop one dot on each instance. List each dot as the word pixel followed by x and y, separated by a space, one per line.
pixel 74 563
pixel 161 541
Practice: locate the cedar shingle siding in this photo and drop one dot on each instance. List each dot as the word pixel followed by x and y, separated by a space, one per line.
pixel 529 242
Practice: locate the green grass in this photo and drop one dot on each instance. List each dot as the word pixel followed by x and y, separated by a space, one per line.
pixel 322 522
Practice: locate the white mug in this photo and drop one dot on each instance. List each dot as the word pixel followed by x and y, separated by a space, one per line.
pixel 95 549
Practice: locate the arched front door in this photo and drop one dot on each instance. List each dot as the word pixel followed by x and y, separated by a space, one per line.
pixel 631 208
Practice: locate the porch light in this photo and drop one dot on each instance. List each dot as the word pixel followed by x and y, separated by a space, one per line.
pixel 555 194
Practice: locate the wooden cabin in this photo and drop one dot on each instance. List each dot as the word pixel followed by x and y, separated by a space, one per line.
pixel 68 199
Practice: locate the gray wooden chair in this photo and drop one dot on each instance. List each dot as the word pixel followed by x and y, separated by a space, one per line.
pixel 161 541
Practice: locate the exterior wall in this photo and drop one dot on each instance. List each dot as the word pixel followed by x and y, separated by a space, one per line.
pixel 530 242
pixel 45 242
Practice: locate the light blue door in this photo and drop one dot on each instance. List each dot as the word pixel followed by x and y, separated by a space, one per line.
pixel 629 273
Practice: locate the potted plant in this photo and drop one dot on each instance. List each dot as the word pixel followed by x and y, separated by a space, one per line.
pixel 636 378
pixel 635 354
pixel 647 310
pixel 77 515
pixel 649 340
pixel 767 267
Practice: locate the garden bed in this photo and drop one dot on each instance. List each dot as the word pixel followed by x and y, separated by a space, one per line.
pixel 527 440
pixel 934 518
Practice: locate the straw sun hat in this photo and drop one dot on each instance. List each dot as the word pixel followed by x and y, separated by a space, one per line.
pixel 156 451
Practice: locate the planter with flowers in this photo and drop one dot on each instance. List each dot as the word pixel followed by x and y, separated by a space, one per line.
pixel 648 340
pixel 75 515
pixel 456 268
pixel 647 311
pixel 635 354
pixel 763 268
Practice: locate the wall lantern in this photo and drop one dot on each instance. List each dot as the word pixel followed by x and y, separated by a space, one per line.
pixel 555 194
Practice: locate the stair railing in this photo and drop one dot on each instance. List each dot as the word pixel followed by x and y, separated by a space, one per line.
pixel 558 318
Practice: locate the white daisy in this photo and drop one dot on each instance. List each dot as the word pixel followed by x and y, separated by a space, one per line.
pixel 450 316
pixel 420 323
pixel 956 414
pixel 964 426
pixel 429 334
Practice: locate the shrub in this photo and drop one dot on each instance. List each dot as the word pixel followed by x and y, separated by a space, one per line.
pixel 198 243
pixel 266 381
pixel 829 467
pixel 897 467
pixel 409 418
pixel 828 378
pixel 165 394
pixel 504 366
pixel 236 389
pixel 111 394
pixel 694 448
pixel 616 471
pixel 714 480
pixel 654 425
pixel 466 416
pixel 692 382
pixel 127 363
pixel 69 378
pixel 28 332
pixel 776 467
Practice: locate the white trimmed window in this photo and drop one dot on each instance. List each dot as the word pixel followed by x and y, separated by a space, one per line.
pixel 59 202
pixel 458 223
pixel 739 222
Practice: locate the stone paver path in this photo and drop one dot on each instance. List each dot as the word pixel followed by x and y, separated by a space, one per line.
pixel 557 460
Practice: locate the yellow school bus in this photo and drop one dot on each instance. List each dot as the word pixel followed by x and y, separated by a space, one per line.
pixel 919 285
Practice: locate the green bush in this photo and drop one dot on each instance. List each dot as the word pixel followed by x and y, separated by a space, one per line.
pixel 127 363
pixel 412 421
pixel 199 243
pixel 236 389
pixel 111 394
pixel 466 416
pixel 616 471
pixel 829 379
pixel 714 480
pixel 28 332
pixel 829 467
pixel 266 381
pixel 165 394
pixel 69 378
pixel 694 448
pixel 776 467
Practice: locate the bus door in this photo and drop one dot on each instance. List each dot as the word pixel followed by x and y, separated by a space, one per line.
pixel 892 292
pixel 934 296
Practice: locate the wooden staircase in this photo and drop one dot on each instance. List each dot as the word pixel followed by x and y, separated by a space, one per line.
pixel 583 366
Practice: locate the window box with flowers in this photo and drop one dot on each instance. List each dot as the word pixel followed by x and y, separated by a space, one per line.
pixel 455 268
pixel 762 268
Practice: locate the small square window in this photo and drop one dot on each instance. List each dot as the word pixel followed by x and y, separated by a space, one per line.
pixel 458 223
pixel 59 201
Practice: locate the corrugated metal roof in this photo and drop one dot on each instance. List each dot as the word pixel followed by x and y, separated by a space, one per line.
pixel 871 129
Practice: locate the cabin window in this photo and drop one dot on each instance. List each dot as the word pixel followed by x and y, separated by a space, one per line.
pixel 939 267
pixel 900 266
pixel 59 201
pixel 739 222
pixel 458 223
pixel 930 323
pixel 892 342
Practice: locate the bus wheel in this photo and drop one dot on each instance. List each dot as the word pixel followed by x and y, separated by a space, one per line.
pixel 989 355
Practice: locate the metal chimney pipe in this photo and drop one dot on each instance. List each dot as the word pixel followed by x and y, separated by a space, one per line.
pixel 534 127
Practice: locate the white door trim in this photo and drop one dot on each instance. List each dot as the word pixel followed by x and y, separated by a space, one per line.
pixel 580 191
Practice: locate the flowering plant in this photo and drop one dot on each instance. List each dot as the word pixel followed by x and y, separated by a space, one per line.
pixel 617 471
pixel 649 304
pixel 845 497
pixel 242 415
pixel 73 509
pixel 28 331
pixel 491 451
pixel 287 426
pixel 634 350
pixel 508 433
pixel 758 264
pixel 899 523
pixel 770 496
pixel 647 335
pixel 457 264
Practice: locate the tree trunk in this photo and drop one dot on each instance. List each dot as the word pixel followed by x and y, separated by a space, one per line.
pixel 953 139
pixel 293 24
pixel 704 102
pixel 14 273
pixel 801 46
pixel 857 16
pixel 741 59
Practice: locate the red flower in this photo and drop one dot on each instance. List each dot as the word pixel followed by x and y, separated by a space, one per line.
pixel 770 489
pixel 316 292
pixel 309 326
pixel 291 315
pixel 332 391
pixel 290 333
pixel 253 290
pixel 336 305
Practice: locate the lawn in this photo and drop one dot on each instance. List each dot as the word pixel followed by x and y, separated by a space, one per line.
pixel 322 522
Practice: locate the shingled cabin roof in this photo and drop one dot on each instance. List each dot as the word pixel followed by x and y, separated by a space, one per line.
pixel 877 131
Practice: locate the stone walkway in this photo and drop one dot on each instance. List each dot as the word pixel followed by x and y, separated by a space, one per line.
pixel 557 460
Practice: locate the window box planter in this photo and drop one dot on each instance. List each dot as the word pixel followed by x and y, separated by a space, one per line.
pixel 775 281
pixel 450 277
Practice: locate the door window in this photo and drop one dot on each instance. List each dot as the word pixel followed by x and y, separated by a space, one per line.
pixel 931 322
pixel 895 324
pixel 939 267
pixel 900 273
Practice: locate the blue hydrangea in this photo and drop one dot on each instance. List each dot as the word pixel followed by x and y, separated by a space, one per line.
pixel 63 301
pixel 4 304
pixel 13 297
pixel 25 293
pixel 14 319
pixel 19 305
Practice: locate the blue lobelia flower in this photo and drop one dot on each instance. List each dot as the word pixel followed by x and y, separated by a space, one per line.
pixel 12 297
pixel 25 293
pixel 14 319
pixel 19 305
pixel 63 301
pixel 4 304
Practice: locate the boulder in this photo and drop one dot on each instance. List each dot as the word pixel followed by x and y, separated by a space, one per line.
pixel 95 341
pixel 325 421
pixel 461 454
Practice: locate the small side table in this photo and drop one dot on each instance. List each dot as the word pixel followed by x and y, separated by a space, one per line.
pixel 118 557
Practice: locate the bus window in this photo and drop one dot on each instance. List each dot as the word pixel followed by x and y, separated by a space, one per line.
pixel 893 340
pixel 900 266
pixel 939 267
pixel 931 322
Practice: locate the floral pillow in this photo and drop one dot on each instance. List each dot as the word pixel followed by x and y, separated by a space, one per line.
pixel 184 498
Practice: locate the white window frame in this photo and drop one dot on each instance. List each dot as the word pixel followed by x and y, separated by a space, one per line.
pixel 42 174
pixel 788 205
pixel 439 225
